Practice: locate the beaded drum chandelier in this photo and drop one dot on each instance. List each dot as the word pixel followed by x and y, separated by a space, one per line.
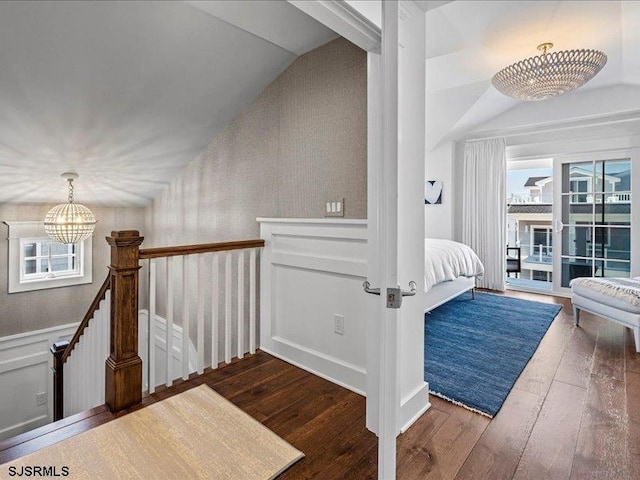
pixel 549 74
pixel 69 222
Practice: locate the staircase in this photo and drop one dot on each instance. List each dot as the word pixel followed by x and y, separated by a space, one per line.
pixel 117 354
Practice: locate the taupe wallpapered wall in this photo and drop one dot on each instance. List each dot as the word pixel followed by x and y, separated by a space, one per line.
pixel 302 142
pixel 26 311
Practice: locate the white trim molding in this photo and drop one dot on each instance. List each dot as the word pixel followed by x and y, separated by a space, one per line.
pixel 344 20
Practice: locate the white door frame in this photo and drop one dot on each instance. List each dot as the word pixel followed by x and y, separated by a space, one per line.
pixel 396 392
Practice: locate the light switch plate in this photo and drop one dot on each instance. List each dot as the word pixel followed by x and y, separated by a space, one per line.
pixel 334 208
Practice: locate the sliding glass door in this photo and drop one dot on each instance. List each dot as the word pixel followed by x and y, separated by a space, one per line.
pixel 592 218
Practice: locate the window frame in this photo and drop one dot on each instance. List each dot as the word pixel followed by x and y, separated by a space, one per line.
pixel 22 232
pixel 38 276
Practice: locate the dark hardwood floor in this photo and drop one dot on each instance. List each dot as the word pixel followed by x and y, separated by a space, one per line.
pixel 574 413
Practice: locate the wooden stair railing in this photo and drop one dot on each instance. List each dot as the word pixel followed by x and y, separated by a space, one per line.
pixel 123 367
pixel 62 350
pixel 201 248
pixel 208 265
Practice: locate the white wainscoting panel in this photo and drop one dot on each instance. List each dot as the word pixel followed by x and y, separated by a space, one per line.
pixel 310 271
pixel 25 372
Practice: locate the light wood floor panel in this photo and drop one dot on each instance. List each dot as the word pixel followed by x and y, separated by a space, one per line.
pixel 448 448
pixel 633 434
pixel 549 451
pixel 577 360
pixel 497 453
pixel 602 449
pixel 541 369
pixel 608 359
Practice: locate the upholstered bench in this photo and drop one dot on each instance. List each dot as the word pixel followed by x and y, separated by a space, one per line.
pixel 616 299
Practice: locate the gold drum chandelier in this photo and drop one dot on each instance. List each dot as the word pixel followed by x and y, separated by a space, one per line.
pixel 70 222
pixel 549 74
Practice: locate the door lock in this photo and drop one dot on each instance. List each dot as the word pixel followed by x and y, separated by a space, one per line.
pixel 394 295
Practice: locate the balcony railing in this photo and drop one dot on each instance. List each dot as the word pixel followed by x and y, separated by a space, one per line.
pixel 540 253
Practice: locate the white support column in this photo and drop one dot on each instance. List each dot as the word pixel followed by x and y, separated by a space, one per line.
pixel 169 323
pixel 227 308
pixel 151 330
pixel 240 303
pixel 185 317
pixel 252 301
pixel 215 320
pixel 201 259
pixel 106 340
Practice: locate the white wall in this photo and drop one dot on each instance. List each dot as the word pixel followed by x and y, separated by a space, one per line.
pixel 438 219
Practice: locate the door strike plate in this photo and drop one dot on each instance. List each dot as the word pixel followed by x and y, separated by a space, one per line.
pixel 394 297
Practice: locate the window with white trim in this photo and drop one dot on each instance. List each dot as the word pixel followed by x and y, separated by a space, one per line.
pixel 43 258
pixel 37 262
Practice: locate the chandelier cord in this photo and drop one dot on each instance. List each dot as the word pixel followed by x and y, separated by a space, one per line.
pixel 70 180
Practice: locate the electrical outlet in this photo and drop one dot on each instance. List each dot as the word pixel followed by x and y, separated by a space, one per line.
pixel 41 399
pixel 339 324
pixel 334 208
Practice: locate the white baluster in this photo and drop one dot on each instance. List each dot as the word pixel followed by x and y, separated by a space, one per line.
pixel 85 366
pixel 92 381
pixel 151 328
pixel 68 386
pixel 227 309
pixel 106 342
pixel 185 317
pixel 169 322
pixel 241 304
pixel 252 301
pixel 77 376
pixel 214 310
pixel 201 314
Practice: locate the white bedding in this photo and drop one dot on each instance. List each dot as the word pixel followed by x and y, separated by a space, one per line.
pixel 447 260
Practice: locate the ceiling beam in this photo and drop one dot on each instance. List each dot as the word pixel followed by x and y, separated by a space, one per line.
pixel 344 20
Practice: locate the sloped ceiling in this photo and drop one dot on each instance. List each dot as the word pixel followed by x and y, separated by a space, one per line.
pixel 127 93
pixel 469 41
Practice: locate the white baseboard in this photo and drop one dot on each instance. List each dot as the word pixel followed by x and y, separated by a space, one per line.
pixel 414 406
pixel 335 370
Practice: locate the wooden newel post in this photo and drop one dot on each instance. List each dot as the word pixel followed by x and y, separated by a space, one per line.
pixel 57 349
pixel 123 385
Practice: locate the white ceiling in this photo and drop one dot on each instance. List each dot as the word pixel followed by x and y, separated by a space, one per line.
pixel 127 93
pixel 469 41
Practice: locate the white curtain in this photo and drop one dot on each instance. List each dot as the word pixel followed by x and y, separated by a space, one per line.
pixel 484 207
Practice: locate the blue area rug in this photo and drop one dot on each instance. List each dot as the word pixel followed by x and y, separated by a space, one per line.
pixel 476 349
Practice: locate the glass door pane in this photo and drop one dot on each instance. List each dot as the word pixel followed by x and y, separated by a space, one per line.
pixel 529 226
pixel 596 219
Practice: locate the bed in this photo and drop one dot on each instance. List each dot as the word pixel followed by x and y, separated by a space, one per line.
pixel 451 268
